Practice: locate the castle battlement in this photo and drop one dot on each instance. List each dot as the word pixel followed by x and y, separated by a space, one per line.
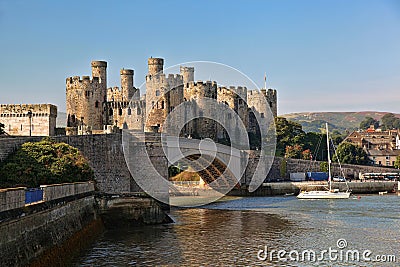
pixel 23 109
pixel 201 83
pixel 77 82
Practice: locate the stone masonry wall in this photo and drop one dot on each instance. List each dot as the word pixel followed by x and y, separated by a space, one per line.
pixel 17 122
pixel 298 165
pixel 26 238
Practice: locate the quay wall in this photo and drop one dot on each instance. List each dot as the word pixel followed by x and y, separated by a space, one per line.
pixel 30 232
pixel 12 198
pixel 282 167
pixel 50 232
pixel 282 188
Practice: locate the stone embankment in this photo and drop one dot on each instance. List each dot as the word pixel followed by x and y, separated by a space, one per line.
pixel 282 188
pixel 62 220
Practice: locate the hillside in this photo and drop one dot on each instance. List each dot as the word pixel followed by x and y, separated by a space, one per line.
pixel 341 121
pixel 311 121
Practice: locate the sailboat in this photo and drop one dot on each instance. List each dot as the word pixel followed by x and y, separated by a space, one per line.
pixel 325 194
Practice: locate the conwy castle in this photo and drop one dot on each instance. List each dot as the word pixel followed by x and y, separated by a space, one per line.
pixel 92 107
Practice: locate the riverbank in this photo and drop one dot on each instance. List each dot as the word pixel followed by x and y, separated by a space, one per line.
pixel 282 188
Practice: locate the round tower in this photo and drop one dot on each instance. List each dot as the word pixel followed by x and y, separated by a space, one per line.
pixel 156 65
pixel 99 69
pixel 187 74
pixel 127 88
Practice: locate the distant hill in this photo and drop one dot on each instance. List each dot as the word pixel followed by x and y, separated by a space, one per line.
pixel 61 119
pixel 341 121
pixel 311 121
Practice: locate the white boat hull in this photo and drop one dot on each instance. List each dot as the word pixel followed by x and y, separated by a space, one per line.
pixel 323 195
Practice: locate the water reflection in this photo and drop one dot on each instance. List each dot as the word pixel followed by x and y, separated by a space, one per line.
pixel 231 233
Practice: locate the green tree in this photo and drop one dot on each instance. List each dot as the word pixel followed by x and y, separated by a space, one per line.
pixel 323 166
pixel 397 162
pixel 286 132
pixel 367 122
pixel 315 143
pixel 337 137
pixel 2 128
pixel 390 121
pixel 351 154
pixel 44 162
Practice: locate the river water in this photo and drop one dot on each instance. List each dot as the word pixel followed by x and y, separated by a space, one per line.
pixel 239 232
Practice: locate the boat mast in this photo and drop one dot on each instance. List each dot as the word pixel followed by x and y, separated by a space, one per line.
pixel 329 158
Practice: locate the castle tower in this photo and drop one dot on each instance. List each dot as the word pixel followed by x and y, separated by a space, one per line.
pixel 199 94
pixel 127 88
pixel 99 69
pixel 156 65
pixel 85 98
pixel 187 74
pixel 271 97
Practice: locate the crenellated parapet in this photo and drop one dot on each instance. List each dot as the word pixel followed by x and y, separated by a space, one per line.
pixel 232 93
pixel 257 99
pixel 21 110
pixel 82 83
pixel 200 89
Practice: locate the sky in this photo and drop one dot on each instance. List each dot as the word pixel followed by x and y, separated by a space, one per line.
pixel 332 55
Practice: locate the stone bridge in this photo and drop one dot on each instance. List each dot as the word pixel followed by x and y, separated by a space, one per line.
pixel 106 156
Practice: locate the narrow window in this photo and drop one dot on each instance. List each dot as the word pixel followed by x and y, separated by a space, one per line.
pixel 138 111
pixel 96 104
pixel 162 104
pixel 157 92
pixel 120 111
pixel 262 115
pixel 129 111
pixel 21 127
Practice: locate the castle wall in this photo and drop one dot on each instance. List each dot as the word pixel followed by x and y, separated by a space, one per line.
pixel 17 122
pixel 126 115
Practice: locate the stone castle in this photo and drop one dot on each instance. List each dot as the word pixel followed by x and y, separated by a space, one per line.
pixel 28 119
pixel 92 107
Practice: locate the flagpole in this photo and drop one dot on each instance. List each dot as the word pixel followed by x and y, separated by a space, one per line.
pixel 265 81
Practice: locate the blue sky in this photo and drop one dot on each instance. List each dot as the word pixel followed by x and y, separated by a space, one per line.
pixel 332 55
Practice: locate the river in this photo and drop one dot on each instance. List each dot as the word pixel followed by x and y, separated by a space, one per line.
pixel 245 231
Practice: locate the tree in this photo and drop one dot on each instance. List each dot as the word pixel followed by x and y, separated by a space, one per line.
pixel 44 162
pixel 286 132
pixel 397 162
pixel 367 122
pixel 294 152
pixel 306 154
pixel 390 121
pixel 323 166
pixel 351 154
pixel 2 128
